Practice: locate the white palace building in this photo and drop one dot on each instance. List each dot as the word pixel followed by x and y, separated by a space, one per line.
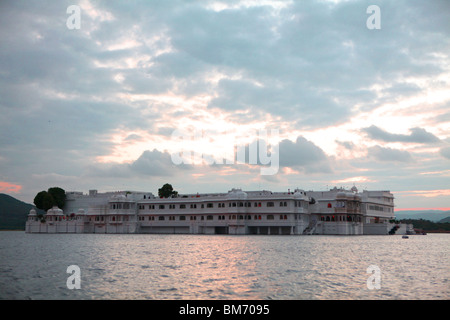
pixel 333 212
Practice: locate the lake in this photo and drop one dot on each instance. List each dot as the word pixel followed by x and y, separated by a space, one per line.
pixel 216 267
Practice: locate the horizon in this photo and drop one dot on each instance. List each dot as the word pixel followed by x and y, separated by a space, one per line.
pixel 208 94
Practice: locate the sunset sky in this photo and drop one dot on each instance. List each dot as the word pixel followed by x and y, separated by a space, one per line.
pixel 96 107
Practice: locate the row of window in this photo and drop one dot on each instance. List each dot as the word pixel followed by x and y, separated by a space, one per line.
pixel 211 217
pixel 222 205
pixel 121 206
pixel 341 218
pixel 380 208
pixel 110 218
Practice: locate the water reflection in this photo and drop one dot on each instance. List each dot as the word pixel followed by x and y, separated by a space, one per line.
pixel 222 266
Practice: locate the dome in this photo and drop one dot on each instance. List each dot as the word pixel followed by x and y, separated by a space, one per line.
pixel 80 212
pixel 341 195
pixel 32 212
pixel 118 197
pixel 237 194
pixel 300 194
pixel 55 211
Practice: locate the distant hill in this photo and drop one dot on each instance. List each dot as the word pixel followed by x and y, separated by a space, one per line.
pixel 444 220
pixel 432 215
pixel 13 213
pixel 428 226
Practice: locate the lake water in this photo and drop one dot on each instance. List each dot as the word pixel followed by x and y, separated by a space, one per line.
pixel 34 266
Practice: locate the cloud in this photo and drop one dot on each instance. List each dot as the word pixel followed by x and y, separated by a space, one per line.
pixel 133 73
pixel 149 164
pixel 387 154
pixel 445 152
pixel 8 187
pixel 303 154
pixel 417 135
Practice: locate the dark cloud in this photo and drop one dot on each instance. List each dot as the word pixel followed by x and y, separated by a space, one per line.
pixel 445 152
pixel 149 164
pixel 389 155
pixel 303 154
pixel 418 135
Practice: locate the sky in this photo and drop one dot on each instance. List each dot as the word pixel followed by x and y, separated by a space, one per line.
pixel 112 96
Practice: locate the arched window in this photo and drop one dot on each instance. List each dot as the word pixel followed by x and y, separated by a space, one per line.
pixel 329 205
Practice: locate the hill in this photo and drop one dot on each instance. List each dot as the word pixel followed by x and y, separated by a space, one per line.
pixel 432 215
pixel 428 226
pixel 445 220
pixel 13 213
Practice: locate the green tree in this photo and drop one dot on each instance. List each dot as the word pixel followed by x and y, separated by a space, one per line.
pixel 167 191
pixel 59 196
pixel 52 197
pixel 43 200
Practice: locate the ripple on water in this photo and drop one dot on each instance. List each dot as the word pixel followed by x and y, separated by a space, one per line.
pixel 33 266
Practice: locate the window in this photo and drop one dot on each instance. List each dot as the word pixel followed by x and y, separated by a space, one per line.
pixel 210 205
pixel 193 206
pixel 270 204
pixel 182 218
pixel 209 217
pixel 329 205
pixel 161 218
pixel 340 204
pixel 161 206
pixel 270 217
pixel 183 206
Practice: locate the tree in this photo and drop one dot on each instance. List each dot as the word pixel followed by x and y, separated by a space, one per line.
pixel 167 191
pixel 59 196
pixel 52 197
pixel 44 200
